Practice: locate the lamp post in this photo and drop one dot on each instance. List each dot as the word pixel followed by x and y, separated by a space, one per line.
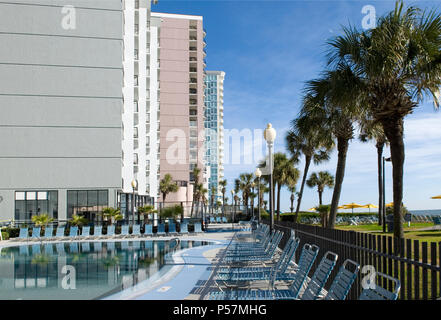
pixel 384 193
pixel 270 135
pixel 134 185
pixel 252 202
pixel 233 203
pixel 258 174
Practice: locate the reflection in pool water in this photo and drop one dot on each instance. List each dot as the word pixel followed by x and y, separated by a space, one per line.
pixel 82 270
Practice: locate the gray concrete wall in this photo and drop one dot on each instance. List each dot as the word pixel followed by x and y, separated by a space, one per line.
pixel 60 99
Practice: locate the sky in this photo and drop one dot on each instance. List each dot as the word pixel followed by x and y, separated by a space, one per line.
pixel 268 50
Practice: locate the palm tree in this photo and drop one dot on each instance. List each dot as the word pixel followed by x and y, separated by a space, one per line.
pixel 333 104
pixel 371 130
pixel 213 193
pixel 321 180
pixel 195 175
pixel 113 214
pixel 398 64
pixel 42 220
pixel 167 185
pixel 223 184
pixel 284 173
pixel 315 145
pixel 146 210
pixel 78 220
pixel 245 182
pixel 292 190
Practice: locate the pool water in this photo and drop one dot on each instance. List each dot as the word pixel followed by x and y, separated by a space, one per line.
pixel 82 270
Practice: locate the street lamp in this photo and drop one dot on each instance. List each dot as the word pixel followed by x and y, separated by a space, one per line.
pixel 134 185
pixel 233 203
pixel 384 193
pixel 258 174
pixel 270 135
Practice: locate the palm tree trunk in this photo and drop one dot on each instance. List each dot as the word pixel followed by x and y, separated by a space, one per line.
pixel 279 186
pixel 305 174
pixel 342 147
pixel 320 197
pixel 380 147
pixel 393 128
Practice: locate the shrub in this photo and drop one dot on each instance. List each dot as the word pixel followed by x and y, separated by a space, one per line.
pixel 5 235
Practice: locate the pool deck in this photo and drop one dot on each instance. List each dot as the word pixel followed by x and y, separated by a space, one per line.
pixel 187 270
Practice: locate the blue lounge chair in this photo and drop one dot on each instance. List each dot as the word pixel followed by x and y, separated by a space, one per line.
pixel 124 231
pixel 376 292
pixel 24 234
pixel 97 232
pixel 48 233
pixel 161 229
pixel 307 258
pixel 283 261
pixel 212 220
pixel 85 232
pixel 110 231
pixel 261 273
pixel 321 275
pixel 171 229
pixel 183 228
pixel 224 220
pixel 73 232
pixel 136 230
pixel 59 233
pixel 148 230
pixel 343 281
pixel 218 220
pixel 197 227
pixel 36 233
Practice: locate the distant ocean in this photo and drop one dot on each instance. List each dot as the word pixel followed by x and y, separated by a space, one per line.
pixel 426 212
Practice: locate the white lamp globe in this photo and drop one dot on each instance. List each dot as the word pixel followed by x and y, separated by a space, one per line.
pixel 258 173
pixel 269 134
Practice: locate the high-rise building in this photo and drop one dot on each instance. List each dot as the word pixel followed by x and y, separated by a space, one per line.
pixel 214 129
pixel 141 106
pixel 61 103
pixel 181 102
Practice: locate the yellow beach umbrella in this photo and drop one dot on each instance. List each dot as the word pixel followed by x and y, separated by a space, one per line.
pixel 352 206
pixel 312 209
pixel 370 205
pixel 390 204
pixel 436 197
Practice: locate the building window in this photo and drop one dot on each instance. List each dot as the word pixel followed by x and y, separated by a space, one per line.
pixel 31 203
pixel 87 203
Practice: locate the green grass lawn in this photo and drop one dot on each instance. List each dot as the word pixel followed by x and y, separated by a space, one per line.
pixel 411 232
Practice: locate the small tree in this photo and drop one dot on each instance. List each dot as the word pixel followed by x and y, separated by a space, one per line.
pixel 171 212
pixel 112 214
pixel 146 210
pixel 166 186
pixel 324 210
pixel 42 220
pixel 78 220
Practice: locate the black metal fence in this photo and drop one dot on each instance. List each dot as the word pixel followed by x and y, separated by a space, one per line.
pixel 415 263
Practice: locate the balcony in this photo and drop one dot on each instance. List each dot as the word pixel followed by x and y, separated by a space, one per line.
pixel 193 102
pixel 193 48
pixel 193 91
pixel 193 70
pixel 193 80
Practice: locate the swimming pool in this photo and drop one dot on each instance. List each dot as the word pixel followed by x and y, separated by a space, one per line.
pixel 83 270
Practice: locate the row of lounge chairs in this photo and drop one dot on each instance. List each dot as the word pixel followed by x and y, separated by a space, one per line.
pixel 98 232
pixel 218 220
pixel 426 218
pixel 246 262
